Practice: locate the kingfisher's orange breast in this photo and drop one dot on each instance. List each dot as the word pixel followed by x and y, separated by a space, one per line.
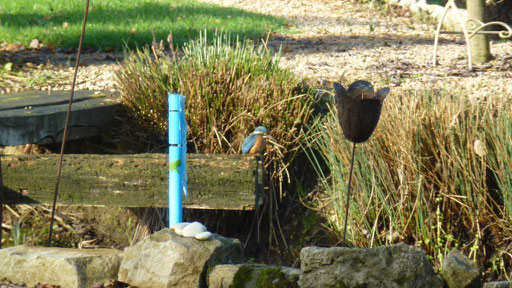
pixel 259 145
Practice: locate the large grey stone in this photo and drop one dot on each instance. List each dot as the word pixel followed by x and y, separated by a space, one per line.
pixel 399 265
pixel 165 259
pixel 459 271
pixel 70 268
pixel 249 275
pixel 451 20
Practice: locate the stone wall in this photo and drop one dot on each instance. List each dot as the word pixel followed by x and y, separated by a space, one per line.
pixel 166 259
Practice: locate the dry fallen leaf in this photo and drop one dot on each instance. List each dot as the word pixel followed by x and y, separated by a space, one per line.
pixel 287 49
pixel 51 47
pixel 8 66
pixel 34 43
pixel 479 148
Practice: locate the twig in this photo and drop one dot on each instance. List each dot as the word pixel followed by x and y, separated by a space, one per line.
pixel 88 244
pixel 12 211
pixel 63 223
pixel 275 143
pixel 6 226
pixel 278 223
pixel 12 77
pixel 219 138
pixel 64 216
pixel 1 201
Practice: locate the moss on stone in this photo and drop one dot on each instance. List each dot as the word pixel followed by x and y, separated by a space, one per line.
pixel 273 277
pixel 160 237
pixel 400 281
pixel 243 276
pixel 99 95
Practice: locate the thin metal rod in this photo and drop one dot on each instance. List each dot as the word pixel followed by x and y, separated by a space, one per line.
pixel 66 124
pixel 1 201
pixel 479 32
pixel 451 4
pixel 348 195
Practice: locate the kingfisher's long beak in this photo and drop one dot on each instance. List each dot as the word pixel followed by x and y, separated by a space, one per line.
pixel 272 140
pixel 268 136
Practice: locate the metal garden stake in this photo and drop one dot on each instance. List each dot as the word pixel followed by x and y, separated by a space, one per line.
pixel 1 201
pixel 56 192
pixel 358 113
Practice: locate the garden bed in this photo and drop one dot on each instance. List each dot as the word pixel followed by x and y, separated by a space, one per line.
pixel 331 41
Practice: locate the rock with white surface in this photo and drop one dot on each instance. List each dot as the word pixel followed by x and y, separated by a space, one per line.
pixel 203 235
pixel 193 229
pixel 180 225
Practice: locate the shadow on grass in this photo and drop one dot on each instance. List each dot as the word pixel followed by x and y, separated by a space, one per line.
pixel 133 24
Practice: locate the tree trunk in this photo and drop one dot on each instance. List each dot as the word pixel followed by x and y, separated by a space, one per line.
pixel 480 52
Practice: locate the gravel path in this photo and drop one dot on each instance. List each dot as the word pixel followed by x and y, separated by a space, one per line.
pixel 43 69
pixel 345 41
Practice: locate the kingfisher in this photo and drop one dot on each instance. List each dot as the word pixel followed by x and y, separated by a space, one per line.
pixel 256 142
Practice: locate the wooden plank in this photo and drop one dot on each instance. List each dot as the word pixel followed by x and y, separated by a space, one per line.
pixel 39 117
pixel 232 182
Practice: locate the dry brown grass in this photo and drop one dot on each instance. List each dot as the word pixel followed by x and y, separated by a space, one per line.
pixel 437 173
pixel 230 89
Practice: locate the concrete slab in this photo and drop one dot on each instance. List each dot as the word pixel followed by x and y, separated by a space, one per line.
pixel 39 117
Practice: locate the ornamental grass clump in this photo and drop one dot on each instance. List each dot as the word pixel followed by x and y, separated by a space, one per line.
pixel 437 173
pixel 231 87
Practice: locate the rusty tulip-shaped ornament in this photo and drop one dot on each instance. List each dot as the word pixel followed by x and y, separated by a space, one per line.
pixel 359 109
pixel 358 113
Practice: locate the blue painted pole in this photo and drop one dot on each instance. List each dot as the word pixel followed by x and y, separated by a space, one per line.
pixel 177 144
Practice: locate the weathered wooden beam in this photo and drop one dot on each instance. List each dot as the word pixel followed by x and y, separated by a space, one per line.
pixel 215 181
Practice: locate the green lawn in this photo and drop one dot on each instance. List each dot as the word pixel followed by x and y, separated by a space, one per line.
pixel 113 24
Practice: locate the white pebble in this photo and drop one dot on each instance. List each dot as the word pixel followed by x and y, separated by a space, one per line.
pixel 180 226
pixel 193 229
pixel 178 231
pixel 204 235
